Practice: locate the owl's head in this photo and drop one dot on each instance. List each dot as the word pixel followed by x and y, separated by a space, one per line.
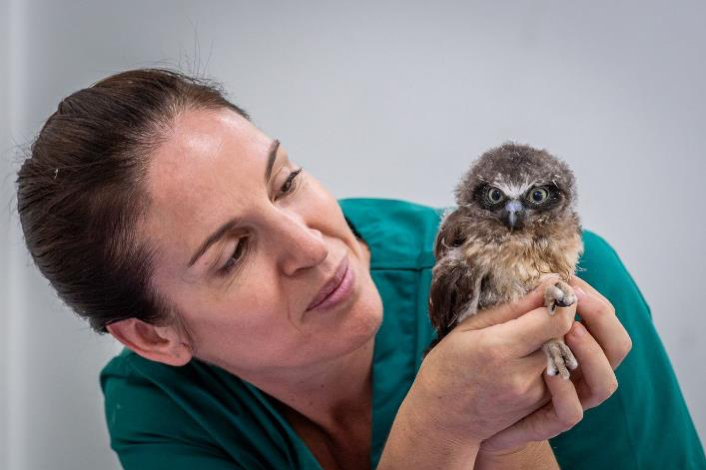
pixel 518 186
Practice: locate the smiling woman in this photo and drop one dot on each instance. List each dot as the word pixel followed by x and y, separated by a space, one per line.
pixel 284 238
pixel 250 302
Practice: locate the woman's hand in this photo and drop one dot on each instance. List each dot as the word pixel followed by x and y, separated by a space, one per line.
pixel 486 374
pixel 599 347
pixel 484 383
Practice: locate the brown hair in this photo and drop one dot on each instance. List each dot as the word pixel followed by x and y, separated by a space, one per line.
pixel 81 191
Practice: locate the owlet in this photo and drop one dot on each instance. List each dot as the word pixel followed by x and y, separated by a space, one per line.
pixel 515 223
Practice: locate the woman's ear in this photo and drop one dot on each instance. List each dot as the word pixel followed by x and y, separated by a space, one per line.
pixel 163 344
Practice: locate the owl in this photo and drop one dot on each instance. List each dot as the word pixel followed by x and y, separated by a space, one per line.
pixel 514 224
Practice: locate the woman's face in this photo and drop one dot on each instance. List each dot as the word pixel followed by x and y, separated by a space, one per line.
pixel 244 299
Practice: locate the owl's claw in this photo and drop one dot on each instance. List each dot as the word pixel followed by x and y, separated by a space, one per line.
pixel 559 294
pixel 559 358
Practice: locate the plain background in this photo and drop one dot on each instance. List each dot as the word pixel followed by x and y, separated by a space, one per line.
pixel 390 99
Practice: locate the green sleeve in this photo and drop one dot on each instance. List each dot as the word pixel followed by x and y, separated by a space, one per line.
pixel 645 424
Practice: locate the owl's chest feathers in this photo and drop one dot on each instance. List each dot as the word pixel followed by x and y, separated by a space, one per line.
pixel 514 265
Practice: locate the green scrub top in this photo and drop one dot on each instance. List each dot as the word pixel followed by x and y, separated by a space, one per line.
pixel 200 416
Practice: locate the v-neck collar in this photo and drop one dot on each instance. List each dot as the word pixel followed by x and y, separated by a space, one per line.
pixel 400 250
pixel 399 341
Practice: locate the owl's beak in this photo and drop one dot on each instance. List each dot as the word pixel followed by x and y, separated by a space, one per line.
pixel 513 214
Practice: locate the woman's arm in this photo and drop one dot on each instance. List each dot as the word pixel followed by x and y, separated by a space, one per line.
pixel 532 456
pixel 415 441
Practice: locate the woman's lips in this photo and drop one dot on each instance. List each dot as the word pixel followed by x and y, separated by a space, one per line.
pixel 336 289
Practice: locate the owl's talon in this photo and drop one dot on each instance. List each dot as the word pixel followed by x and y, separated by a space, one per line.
pixel 559 358
pixel 551 368
pixel 566 300
pixel 568 356
pixel 558 295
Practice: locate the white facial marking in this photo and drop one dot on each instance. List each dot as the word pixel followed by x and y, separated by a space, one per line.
pixel 513 191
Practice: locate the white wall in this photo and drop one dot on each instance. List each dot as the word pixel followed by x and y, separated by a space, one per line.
pixel 5 220
pixel 51 409
pixel 389 100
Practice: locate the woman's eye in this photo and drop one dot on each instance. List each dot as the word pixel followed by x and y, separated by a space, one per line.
pixel 289 183
pixel 538 195
pixel 286 188
pixel 228 266
pixel 495 195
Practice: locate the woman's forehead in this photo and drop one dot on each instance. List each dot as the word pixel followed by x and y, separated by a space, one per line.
pixel 210 159
pixel 204 146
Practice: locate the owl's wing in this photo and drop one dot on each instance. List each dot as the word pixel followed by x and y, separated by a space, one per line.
pixel 454 292
pixel 455 284
pixel 452 231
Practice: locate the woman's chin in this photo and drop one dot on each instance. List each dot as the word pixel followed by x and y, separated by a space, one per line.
pixel 356 328
pixel 364 321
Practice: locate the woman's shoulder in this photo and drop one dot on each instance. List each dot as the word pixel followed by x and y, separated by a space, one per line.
pixel 141 405
pixel 601 266
pixel 194 416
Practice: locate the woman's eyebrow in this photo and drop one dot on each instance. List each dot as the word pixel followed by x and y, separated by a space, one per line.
pixel 230 224
pixel 271 157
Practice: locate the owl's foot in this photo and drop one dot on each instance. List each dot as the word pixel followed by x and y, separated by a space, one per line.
pixel 559 294
pixel 559 358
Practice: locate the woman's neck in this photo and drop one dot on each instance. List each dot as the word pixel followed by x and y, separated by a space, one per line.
pixel 333 395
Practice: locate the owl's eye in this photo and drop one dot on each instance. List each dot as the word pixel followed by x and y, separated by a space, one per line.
pixel 457 242
pixel 538 195
pixel 495 195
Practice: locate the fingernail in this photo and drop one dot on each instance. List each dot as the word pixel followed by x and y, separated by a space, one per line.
pixel 578 330
pixel 580 293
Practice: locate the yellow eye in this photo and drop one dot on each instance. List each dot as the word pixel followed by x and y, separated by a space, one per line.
pixel 494 195
pixel 538 195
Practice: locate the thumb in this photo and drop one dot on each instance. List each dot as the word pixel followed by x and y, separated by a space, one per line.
pixel 511 310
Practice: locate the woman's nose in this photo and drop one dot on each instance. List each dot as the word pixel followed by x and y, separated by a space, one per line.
pixel 299 245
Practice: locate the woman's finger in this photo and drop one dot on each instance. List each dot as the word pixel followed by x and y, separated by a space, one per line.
pixel 524 335
pixel 601 321
pixel 598 380
pixel 534 363
pixel 565 401
pixel 589 289
pixel 511 310
pixel 560 415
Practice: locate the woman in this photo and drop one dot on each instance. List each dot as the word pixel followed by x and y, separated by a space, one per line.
pixel 163 216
